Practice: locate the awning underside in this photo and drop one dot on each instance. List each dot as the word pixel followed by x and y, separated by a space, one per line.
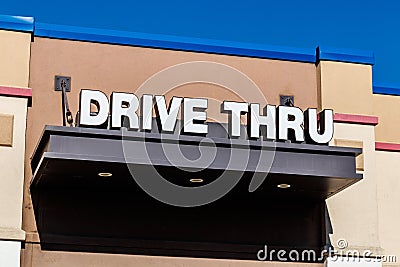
pixel 78 210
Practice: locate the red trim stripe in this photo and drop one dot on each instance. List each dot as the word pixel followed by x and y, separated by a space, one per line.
pixel 356 119
pixel 387 146
pixel 17 92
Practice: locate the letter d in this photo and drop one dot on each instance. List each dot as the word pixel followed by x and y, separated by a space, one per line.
pixel 87 97
pixel 261 257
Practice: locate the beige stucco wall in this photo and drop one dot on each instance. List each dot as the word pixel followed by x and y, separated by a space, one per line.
pixel 14 58
pixel 345 87
pixel 387 108
pixel 12 169
pixel 388 177
pixel 354 211
pixel 366 214
pixel 14 72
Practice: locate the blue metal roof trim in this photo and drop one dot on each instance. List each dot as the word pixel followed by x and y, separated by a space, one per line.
pixel 174 42
pixel 345 55
pixel 386 89
pixel 27 24
pixel 17 23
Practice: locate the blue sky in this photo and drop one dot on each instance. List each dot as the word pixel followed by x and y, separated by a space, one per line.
pixel 366 25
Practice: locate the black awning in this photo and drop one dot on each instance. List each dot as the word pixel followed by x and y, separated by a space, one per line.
pixel 76 209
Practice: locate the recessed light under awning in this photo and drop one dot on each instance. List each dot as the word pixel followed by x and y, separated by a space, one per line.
pixel 283 186
pixel 104 174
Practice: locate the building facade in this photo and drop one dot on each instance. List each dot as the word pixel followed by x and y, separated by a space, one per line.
pixel 55 212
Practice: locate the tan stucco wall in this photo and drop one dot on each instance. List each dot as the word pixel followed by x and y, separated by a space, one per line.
pixel 354 211
pixel 388 167
pixel 14 58
pixel 362 214
pixel 34 257
pixel 345 87
pixel 121 68
pixel 387 108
